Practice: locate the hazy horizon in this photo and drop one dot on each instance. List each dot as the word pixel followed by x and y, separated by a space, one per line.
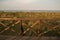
pixel 29 4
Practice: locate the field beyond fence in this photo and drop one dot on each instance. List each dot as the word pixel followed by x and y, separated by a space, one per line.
pixel 30 24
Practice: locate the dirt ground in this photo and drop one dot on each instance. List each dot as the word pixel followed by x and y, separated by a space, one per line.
pixel 4 37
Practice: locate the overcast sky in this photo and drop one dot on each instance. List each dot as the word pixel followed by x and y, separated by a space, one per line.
pixel 29 4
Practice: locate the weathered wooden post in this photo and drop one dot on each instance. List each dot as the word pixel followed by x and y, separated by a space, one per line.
pixel 22 30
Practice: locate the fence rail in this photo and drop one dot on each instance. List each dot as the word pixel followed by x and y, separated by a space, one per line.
pixel 23 22
pixel 28 18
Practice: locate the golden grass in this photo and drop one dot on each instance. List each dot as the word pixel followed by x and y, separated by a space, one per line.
pixel 30 14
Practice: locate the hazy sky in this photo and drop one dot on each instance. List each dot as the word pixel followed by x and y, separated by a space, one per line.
pixel 29 4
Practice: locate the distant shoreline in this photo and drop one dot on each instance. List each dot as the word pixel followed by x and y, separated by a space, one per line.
pixel 29 10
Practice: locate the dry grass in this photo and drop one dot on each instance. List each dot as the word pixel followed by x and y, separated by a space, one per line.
pixel 30 14
pixel 33 15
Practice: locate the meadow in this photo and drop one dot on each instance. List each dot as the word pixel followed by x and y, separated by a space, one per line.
pixel 37 29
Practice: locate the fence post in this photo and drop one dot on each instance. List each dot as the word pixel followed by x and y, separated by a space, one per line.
pixel 22 30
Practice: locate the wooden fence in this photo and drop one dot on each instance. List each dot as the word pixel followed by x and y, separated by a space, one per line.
pixel 30 23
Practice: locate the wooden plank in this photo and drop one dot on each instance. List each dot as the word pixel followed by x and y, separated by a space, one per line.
pixel 49 30
pixel 31 27
pixel 9 27
pixel 26 19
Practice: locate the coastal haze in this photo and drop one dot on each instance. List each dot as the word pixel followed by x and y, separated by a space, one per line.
pixel 29 4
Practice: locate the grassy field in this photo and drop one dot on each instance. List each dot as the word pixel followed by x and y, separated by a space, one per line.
pixel 30 14
pixel 37 15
